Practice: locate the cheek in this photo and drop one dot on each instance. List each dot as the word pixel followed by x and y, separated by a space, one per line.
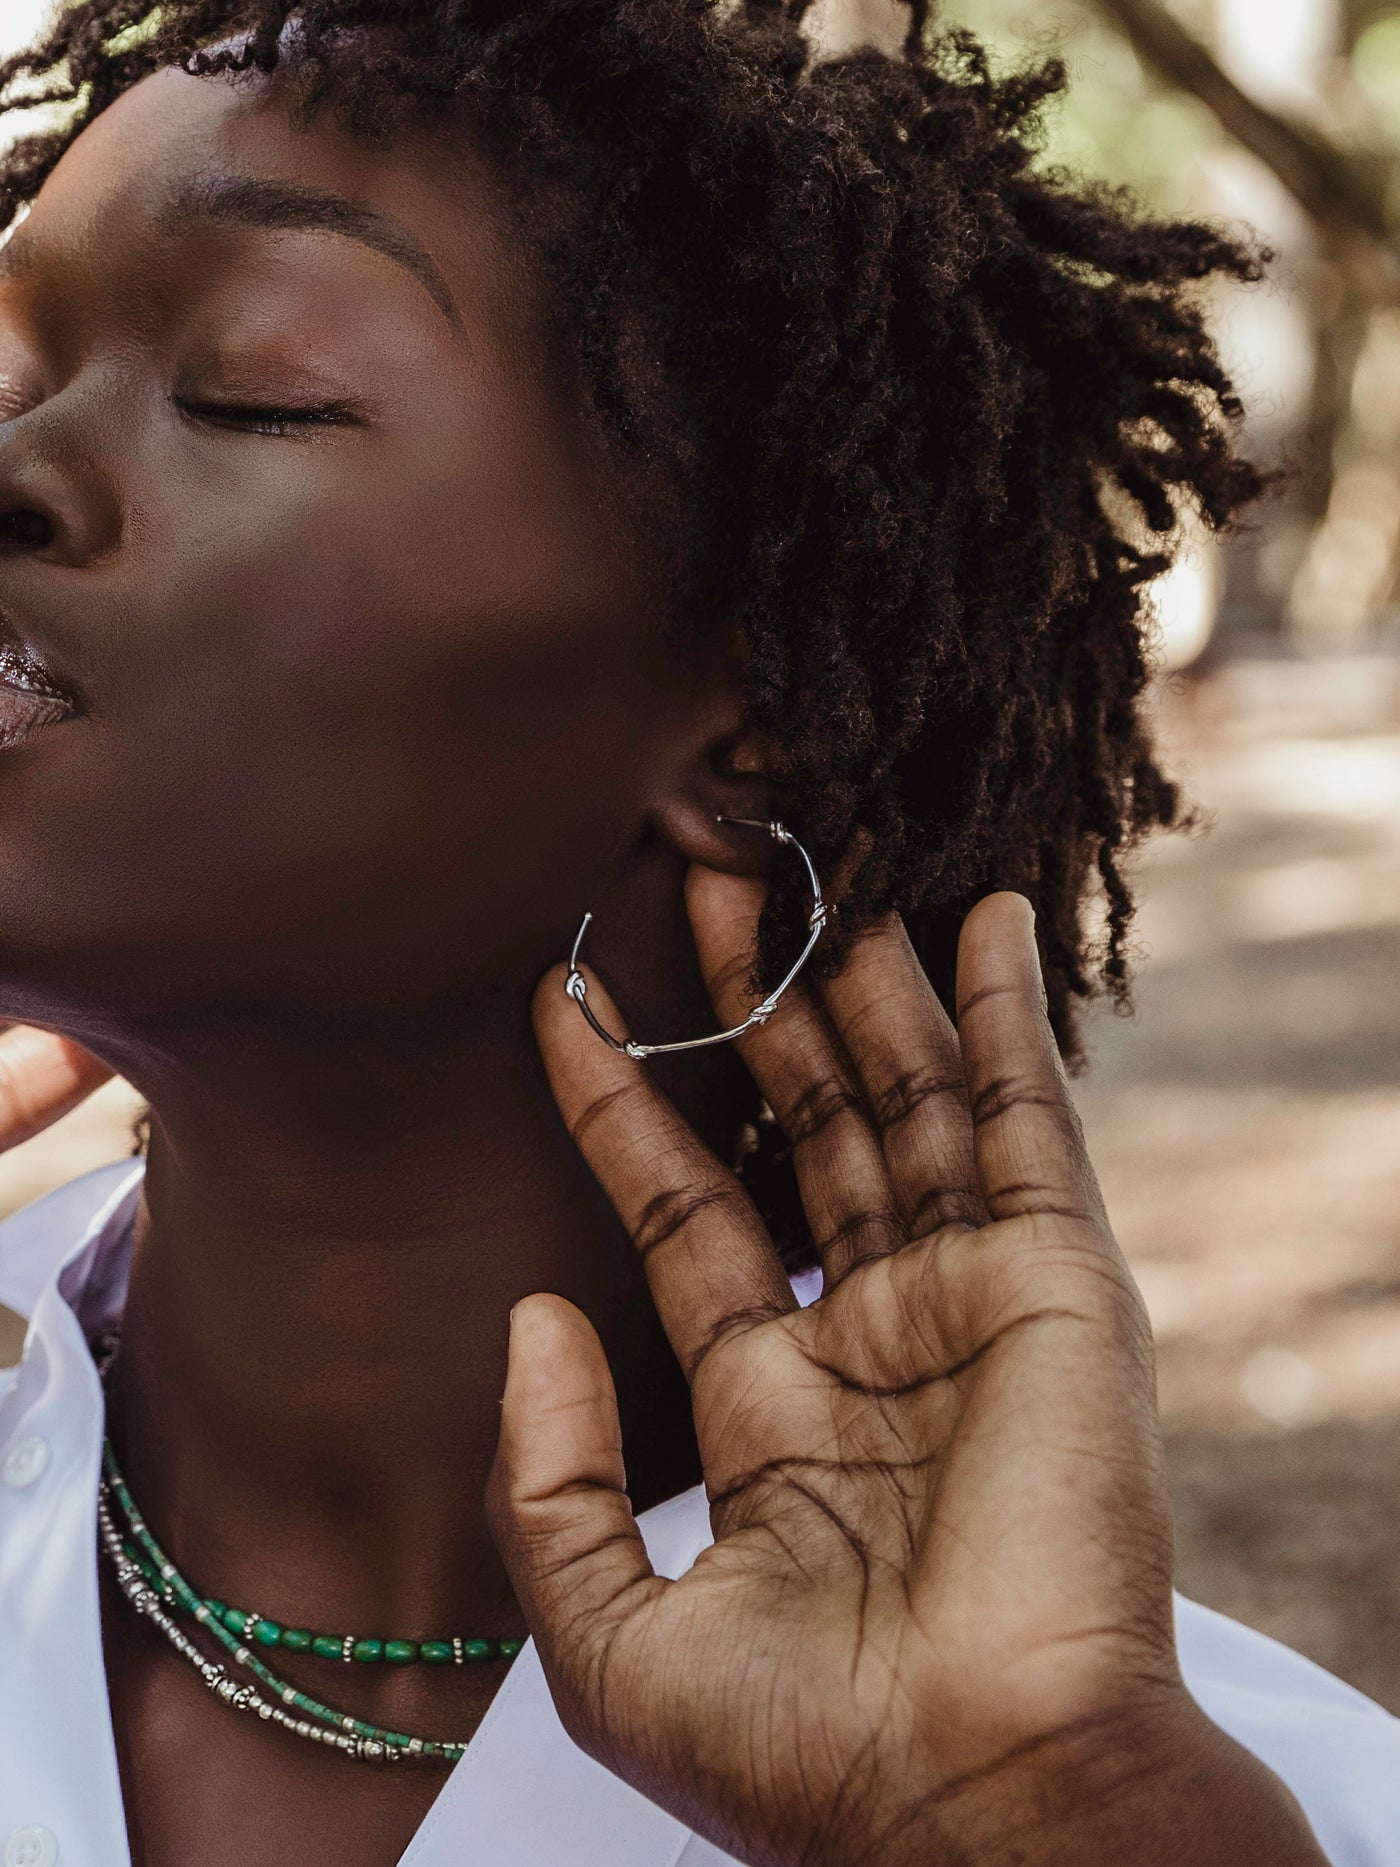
pixel 398 737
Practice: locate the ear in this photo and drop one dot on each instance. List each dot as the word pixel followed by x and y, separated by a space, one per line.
pixel 728 777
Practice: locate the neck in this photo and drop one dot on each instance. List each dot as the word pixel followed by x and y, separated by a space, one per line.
pixel 336 1220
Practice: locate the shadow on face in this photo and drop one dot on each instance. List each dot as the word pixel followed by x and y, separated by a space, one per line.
pixel 296 499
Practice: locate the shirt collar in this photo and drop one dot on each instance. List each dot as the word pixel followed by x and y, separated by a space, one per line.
pixel 60 1768
pixel 48 1238
pixel 74 1243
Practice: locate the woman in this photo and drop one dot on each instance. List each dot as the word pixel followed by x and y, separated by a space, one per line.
pixel 465 467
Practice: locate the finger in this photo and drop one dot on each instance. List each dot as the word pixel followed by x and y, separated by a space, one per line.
pixel 42 1077
pixel 558 1502
pixel 1029 1146
pixel 807 1080
pixel 906 1052
pixel 710 1263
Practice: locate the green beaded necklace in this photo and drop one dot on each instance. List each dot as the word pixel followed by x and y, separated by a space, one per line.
pixel 157 1569
pixel 151 1582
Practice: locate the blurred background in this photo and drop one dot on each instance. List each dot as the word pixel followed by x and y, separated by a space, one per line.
pixel 1246 1120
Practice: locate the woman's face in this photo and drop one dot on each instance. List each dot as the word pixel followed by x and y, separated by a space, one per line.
pixel 295 499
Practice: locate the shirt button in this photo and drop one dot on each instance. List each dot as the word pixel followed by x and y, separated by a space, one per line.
pixel 26 1460
pixel 31 1847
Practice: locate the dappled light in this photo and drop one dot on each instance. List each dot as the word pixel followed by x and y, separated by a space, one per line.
pixel 1247 1129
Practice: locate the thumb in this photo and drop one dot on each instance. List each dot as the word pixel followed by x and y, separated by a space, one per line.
pixel 42 1077
pixel 559 1509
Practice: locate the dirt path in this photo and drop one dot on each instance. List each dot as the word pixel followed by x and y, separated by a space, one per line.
pixel 1247 1129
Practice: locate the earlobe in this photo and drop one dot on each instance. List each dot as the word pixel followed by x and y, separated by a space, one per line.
pixel 728 780
pixel 692 824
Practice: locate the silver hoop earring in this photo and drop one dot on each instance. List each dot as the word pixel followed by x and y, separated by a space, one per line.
pixel 577 986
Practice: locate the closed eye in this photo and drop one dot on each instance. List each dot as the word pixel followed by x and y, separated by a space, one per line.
pixel 253 418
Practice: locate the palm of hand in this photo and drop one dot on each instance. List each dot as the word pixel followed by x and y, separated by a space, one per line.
pixel 940 1527
pixel 911 1535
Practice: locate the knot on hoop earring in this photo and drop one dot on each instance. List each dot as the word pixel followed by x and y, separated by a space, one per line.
pixel 577 986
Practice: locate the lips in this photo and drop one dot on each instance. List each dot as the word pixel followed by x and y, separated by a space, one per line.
pixel 30 697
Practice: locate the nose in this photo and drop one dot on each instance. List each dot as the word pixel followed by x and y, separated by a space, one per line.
pixel 58 501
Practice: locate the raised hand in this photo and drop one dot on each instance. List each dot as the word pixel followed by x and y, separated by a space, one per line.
pixel 935 1625
pixel 42 1077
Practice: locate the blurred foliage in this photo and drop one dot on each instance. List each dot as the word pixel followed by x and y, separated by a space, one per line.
pixel 1375 61
pixel 1266 101
pixel 1129 126
pixel 1116 121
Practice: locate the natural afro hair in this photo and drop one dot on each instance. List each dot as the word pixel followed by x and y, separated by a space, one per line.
pixel 924 412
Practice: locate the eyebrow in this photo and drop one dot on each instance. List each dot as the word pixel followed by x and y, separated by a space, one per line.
pixel 248 201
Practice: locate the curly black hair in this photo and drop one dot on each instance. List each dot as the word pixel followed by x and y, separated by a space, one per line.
pixel 925 415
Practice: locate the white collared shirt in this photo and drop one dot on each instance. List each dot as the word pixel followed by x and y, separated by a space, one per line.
pixel 523 1795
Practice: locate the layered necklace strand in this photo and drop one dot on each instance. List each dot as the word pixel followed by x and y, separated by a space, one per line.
pixel 151 1582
